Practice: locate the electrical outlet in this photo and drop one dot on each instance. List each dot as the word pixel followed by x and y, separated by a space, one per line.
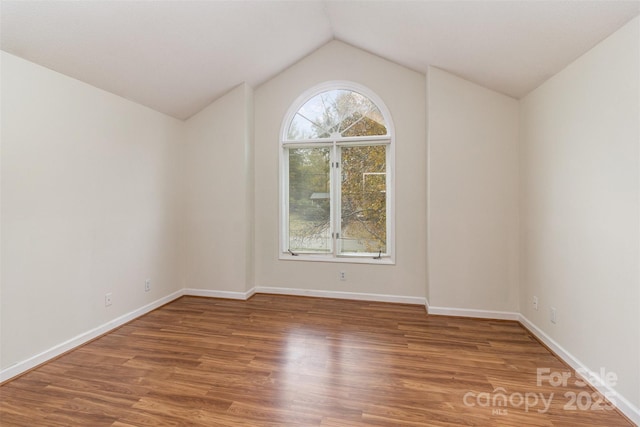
pixel 107 300
pixel 343 275
pixel 554 315
pixel 535 303
pixel 147 285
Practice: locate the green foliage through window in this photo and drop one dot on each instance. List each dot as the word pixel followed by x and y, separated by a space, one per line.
pixel 337 180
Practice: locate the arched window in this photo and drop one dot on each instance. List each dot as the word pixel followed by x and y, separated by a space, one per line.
pixel 336 175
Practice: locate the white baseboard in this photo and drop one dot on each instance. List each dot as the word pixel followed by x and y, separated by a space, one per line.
pixel 219 294
pixel 479 314
pixel 627 408
pixel 57 350
pixel 340 295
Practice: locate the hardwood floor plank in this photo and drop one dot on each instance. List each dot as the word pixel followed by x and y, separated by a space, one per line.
pixel 294 361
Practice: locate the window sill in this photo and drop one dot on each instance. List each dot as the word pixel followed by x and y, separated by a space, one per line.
pixel 341 260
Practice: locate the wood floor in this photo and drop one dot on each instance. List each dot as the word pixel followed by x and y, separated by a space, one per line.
pixel 294 361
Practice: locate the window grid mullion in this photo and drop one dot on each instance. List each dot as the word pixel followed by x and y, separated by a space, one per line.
pixel 335 198
pixel 285 190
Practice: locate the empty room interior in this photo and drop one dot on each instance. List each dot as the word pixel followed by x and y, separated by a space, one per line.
pixel 320 213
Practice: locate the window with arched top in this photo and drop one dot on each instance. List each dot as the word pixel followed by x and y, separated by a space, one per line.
pixel 336 174
pixel 336 114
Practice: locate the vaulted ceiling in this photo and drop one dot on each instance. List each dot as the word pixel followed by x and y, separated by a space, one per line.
pixel 178 56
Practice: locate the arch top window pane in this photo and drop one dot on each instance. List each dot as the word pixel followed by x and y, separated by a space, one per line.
pixel 337 114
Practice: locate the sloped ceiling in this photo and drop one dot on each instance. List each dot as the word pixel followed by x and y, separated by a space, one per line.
pixel 178 56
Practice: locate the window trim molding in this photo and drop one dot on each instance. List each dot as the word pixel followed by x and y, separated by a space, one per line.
pixel 336 85
pixel 284 143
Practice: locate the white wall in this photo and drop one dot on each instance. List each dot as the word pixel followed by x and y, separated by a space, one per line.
pixel 89 206
pixel 580 208
pixel 473 195
pixel 402 91
pixel 218 163
pixel 99 193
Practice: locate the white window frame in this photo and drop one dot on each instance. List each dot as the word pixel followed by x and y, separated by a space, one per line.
pixel 334 144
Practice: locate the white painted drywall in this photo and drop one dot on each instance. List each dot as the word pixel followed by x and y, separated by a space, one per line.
pixel 218 195
pixel 89 206
pixel 473 195
pixel 580 208
pixel 96 191
pixel 402 90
